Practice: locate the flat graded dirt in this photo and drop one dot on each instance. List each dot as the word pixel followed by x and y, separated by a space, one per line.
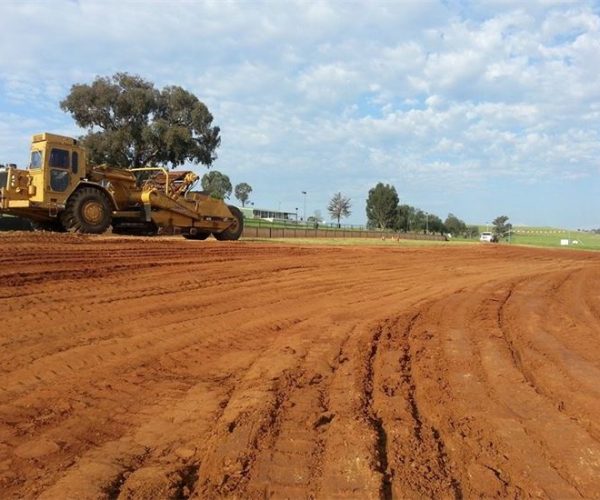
pixel 166 368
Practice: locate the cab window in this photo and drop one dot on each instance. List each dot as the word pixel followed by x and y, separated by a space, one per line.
pixel 74 161
pixel 36 159
pixel 59 158
pixel 59 180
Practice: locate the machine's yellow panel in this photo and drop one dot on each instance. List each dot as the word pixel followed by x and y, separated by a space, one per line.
pixel 58 139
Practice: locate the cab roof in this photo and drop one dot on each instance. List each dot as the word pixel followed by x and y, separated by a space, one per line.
pixel 54 138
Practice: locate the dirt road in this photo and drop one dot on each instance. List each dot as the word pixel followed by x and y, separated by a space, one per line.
pixel 146 368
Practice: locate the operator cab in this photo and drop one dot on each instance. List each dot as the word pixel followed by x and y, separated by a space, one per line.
pixel 56 162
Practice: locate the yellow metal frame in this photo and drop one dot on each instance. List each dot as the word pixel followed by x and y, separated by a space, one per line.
pixel 148 169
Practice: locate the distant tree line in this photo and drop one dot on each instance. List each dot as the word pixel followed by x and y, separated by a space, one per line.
pixel 384 211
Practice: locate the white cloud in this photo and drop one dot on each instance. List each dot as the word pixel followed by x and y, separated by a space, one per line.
pixel 327 82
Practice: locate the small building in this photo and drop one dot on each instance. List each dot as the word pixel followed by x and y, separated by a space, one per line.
pixel 269 215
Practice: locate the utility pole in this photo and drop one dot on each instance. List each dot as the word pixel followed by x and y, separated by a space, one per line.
pixel 426 223
pixel 304 214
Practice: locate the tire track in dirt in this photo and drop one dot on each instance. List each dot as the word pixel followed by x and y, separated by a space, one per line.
pixel 303 420
pixel 543 352
pixel 521 422
pixel 416 462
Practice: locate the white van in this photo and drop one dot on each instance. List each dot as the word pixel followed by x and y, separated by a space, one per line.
pixel 487 237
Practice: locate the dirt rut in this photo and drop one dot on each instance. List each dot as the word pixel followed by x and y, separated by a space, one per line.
pixel 145 368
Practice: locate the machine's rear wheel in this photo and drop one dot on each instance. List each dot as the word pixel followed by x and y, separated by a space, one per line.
pixel 200 235
pixel 87 211
pixel 234 231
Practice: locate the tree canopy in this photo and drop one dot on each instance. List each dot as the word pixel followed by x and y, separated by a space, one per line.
pixel 472 232
pixel 435 224
pixel 216 184
pixel 384 212
pixel 405 215
pixel 339 206
pixel 130 123
pixel 315 219
pixel 501 227
pixel 242 192
pixel 382 204
pixel 455 226
pixel 420 220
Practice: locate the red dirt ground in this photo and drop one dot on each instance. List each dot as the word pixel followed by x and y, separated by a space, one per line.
pixel 165 368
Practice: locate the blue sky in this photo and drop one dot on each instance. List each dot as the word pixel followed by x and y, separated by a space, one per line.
pixel 476 108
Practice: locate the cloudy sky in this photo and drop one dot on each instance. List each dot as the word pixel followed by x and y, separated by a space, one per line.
pixel 479 108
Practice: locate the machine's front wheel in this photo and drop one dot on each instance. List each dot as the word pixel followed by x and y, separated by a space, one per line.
pixel 234 231
pixel 87 211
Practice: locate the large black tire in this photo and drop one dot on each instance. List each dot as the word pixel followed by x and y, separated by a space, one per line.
pixel 200 235
pixel 88 210
pixel 234 231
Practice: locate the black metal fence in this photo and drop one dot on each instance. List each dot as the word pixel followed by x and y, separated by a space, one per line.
pixel 320 232
pixel 289 223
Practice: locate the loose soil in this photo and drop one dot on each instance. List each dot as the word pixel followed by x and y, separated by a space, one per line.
pixel 165 368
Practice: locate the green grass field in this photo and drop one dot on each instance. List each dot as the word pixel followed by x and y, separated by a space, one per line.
pixel 551 237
